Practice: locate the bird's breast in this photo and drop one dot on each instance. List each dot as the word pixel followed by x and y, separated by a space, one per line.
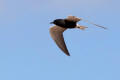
pixel 65 23
pixel 70 24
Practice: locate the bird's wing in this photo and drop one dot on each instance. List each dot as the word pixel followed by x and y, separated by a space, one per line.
pixel 73 18
pixel 56 33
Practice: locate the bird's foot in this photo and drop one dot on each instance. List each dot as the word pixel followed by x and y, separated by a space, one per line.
pixel 82 27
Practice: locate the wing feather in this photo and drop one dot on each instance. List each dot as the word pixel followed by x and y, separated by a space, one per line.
pixel 56 33
pixel 73 18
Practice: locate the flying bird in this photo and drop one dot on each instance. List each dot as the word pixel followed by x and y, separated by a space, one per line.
pixel 60 26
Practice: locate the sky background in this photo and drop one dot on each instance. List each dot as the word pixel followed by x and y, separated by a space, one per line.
pixel 27 51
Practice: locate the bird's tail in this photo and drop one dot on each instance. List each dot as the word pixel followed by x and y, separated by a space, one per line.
pixel 93 23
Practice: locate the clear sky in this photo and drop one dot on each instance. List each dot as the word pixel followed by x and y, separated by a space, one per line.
pixel 27 51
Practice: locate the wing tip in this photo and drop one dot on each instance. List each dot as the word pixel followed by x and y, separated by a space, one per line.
pixel 67 54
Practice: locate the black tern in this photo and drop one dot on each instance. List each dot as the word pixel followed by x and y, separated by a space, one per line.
pixel 61 25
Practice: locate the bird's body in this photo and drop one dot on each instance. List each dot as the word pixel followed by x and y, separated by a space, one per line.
pixel 65 23
pixel 60 26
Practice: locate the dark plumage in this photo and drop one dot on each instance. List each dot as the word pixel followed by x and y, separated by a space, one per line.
pixel 65 23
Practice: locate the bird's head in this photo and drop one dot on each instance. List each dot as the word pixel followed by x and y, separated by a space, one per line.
pixel 54 22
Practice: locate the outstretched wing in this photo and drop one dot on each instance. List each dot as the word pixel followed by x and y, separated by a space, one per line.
pixel 56 33
pixel 73 18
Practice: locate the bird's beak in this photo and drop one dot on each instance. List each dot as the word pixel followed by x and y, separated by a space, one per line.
pixel 51 22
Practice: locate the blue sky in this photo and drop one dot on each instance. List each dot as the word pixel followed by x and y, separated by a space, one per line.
pixel 27 51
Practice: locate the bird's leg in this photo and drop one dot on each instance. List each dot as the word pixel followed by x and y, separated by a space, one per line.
pixel 81 27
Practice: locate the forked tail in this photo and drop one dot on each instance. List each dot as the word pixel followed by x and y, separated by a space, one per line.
pixel 93 23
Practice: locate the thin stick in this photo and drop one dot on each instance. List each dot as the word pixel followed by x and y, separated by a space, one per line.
pixel 93 24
